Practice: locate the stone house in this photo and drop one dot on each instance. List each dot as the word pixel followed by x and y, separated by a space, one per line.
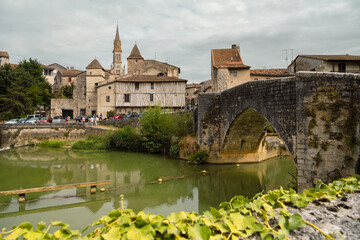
pixel 98 90
pixel 263 74
pixel 227 69
pixel 4 57
pixel 325 63
pixel 192 91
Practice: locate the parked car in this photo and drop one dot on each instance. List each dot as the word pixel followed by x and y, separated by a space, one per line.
pixel 132 114
pixel 22 120
pixel 45 120
pixel 12 121
pixel 34 116
pixel 118 116
pixel 79 118
pixel 58 119
pixel 32 120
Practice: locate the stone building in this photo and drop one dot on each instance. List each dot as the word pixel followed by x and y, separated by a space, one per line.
pixel 147 82
pixel 325 63
pixel 4 57
pixel 263 74
pixel 228 69
pixel 192 91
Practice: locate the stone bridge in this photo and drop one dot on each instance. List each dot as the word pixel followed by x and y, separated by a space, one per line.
pixel 315 114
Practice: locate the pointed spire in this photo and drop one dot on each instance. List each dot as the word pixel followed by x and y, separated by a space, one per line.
pixel 135 53
pixel 117 37
pixel 117 41
pixel 94 65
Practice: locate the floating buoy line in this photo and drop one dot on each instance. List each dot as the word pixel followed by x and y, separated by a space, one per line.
pixel 160 180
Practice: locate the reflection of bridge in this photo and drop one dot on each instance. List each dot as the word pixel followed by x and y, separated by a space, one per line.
pixel 23 212
pixel 314 113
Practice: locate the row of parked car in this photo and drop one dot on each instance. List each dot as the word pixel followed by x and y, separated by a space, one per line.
pixel 36 119
pixel 129 115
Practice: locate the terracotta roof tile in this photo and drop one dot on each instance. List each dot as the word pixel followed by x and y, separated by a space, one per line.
pixel 70 72
pixel 227 58
pixel 94 65
pixel 149 78
pixel 194 85
pixel 4 54
pixel 345 57
pixel 274 72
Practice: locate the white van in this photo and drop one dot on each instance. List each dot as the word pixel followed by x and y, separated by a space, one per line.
pixel 33 116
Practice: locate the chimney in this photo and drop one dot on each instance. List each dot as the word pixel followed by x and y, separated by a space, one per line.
pixel 72 68
pixel 234 46
pixel 67 68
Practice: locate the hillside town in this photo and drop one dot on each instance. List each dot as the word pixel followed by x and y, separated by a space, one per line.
pixel 97 90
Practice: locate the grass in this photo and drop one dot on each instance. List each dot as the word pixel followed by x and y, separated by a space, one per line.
pixel 51 144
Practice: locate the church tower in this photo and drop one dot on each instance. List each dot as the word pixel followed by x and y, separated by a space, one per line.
pixel 117 63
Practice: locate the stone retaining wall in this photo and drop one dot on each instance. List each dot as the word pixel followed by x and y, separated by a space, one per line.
pixel 16 135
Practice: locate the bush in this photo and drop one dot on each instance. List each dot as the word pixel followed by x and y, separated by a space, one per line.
pixel 174 151
pixel 157 130
pixel 109 114
pixel 93 142
pixel 184 123
pixel 198 157
pixel 51 144
pixel 126 139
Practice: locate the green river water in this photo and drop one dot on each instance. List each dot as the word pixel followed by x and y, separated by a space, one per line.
pixel 132 174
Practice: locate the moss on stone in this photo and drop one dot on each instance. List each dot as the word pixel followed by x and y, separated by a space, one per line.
pixel 318 159
pixel 313 141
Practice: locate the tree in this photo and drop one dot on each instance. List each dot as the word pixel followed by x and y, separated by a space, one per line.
pixel 22 89
pixel 157 128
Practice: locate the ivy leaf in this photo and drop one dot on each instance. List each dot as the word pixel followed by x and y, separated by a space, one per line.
pixel 17 233
pixel 199 232
pixel 41 226
pixel 33 235
pixel 215 213
pixel 295 221
pixel 26 225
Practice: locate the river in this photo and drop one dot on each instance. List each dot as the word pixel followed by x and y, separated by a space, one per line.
pixel 135 175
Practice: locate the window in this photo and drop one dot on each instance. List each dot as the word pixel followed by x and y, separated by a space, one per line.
pixel 117 71
pixel 342 67
pixel 69 79
pixel 82 112
pixel 96 84
pixel 85 90
pixel 137 86
pixel 152 85
pixel 151 97
pixel 93 112
pixel 107 98
pixel 234 74
pixel 90 73
pixel 117 57
pixel 127 98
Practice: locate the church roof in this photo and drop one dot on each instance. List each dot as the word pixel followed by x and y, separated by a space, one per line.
pixel 227 58
pixel 4 54
pixel 117 42
pixel 94 65
pixel 70 72
pixel 135 53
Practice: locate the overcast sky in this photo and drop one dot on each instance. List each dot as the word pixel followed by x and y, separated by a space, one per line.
pixel 180 32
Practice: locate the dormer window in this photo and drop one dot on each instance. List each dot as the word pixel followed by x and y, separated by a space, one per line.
pixel 137 86
pixel 160 74
pixel 152 85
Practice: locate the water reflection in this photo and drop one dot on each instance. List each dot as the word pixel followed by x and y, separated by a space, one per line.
pixel 134 175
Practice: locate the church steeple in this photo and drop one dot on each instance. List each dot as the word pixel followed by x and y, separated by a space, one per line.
pixel 117 63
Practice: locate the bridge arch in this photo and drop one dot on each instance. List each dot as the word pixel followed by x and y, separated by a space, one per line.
pixel 245 134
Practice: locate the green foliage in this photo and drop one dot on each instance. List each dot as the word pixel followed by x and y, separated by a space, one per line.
pixel 239 218
pixel 67 91
pixel 184 124
pixel 51 144
pixel 198 157
pixel 109 114
pixel 157 130
pixel 22 89
pixel 126 139
pixel 93 142
pixel 174 151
